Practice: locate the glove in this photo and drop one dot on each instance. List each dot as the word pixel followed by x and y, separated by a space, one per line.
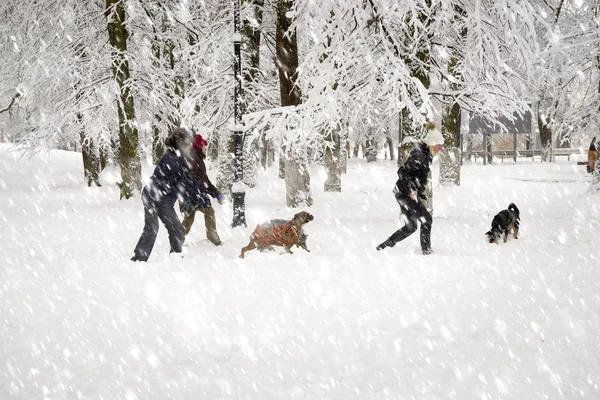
pixel 186 208
pixel 220 198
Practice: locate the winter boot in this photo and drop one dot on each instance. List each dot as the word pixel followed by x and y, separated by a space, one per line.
pixel 387 243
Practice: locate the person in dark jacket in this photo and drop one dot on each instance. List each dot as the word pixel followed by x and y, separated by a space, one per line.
pixel 198 170
pixel 412 184
pixel 592 155
pixel 171 180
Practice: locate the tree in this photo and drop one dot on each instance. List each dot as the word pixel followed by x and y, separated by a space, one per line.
pixel 566 76
pixel 251 34
pixel 297 178
pixel 129 161
pixel 58 40
pixel 357 68
pixel 332 138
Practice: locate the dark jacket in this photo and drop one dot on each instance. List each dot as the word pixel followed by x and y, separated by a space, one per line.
pixel 198 170
pixel 172 179
pixel 413 174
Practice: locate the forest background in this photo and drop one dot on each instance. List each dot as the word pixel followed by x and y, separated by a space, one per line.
pixel 112 78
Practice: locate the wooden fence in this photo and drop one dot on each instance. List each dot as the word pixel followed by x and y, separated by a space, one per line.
pixel 509 154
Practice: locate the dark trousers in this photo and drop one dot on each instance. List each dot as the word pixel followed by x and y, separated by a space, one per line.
pixel 153 211
pixel 412 212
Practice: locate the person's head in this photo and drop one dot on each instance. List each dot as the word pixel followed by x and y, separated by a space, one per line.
pixel 434 138
pixel 179 139
pixel 200 143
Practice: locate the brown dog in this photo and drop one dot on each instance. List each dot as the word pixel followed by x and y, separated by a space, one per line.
pixel 279 233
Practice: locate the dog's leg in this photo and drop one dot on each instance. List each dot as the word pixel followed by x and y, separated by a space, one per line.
pixel 506 235
pixel 251 246
pixel 516 231
pixel 288 249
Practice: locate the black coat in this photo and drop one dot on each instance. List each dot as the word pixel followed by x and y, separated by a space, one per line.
pixel 172 179
pixel 414 173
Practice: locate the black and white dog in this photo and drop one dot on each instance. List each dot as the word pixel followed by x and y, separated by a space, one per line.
pixel 503 223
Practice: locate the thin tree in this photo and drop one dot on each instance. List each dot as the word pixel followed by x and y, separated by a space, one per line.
pixel 129 160
pixel 297 178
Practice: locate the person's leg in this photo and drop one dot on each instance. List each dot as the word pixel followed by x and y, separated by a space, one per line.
pixel 410 226
pixel 210 223
pixel 426 223
pixel 146 242
pixel 188 221
pixel 169 217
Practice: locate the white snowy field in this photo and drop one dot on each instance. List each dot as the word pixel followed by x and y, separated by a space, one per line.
pixel 518 320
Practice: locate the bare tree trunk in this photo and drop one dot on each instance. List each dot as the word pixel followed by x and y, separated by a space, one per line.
pixel 545 135
pixel 489 148
pixel 333 183
pixel 390 145
pixel 370 150
pixel 104 158
pixel 344 151
pixel 450 157
pixel 282 157
pixel 450 167
pixel 297 178
pixel 271 154
pixel 129 161
pixel 91 161
pixel 251 33
pixel 264 151
pixel 355 150
pixel 251 36
pixel 267 152
pixel 158 147
pixel 157 143
pixel 297 182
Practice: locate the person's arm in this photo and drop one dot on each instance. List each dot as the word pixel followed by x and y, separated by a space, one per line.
pixel 189 187
pixel 210 188
pixel 205 180
pixel 194 191
pixel 405 187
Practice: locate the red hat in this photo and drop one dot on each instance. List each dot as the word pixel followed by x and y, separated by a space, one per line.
pixel 200 142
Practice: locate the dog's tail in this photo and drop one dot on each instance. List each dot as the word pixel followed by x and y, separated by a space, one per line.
pixel 513 207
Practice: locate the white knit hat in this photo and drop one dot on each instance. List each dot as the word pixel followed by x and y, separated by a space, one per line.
pixel 433 137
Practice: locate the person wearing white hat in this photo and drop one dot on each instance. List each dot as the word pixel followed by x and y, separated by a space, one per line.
pixel 413 178
pixel 433 138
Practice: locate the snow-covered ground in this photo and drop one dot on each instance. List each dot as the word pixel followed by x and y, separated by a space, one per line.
pixel 519 320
